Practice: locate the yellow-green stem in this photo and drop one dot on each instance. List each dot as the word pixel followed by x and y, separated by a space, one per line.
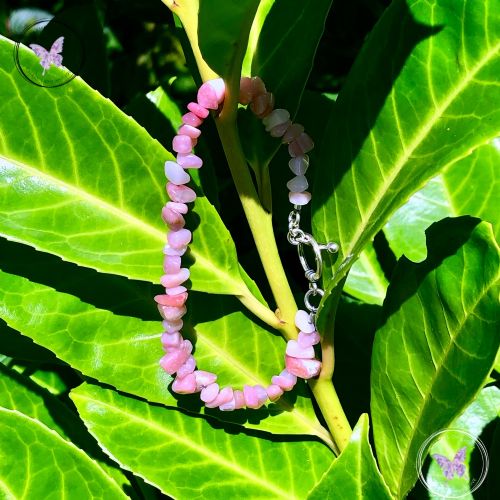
pixel 260 222
pixel 332 411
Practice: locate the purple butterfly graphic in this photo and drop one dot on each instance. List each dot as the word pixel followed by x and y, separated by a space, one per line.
pixel 452 467
pixel 48 57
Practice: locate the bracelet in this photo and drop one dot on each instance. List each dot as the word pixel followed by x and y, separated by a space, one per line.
pixel 300 358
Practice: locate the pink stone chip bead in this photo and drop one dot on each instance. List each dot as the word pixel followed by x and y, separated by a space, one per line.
pixel 274 392
pixel 168 250
pixel 173 219
pixel 229 406
pixel 209 393
pixel 187 368
pixel 299 199
pixel 303 368
pixel 182 144
pixel 224 396
pixel 185 385
pixel 172 326
pixel 172 300
pixel 298 184
pixel 308 339
pixel 181 194
pixel 300 145
pixel 299 164
pixel 292 133
pixel 285 380
pixel 173 360
pixel 171 264
pixel 189 160
pixel 171 340
pixel 239 400
pixel 303 321
pixel 173 280
pixel 204 379
pixel 175 173
pixel 198 110
pixel 261 394
pixel 211 93
pixel 172 313
pixel 191 119
pixel 250 88
pixel 293 349
pixel 175 290
pixel 179 238
pixel 262 105
pixel 251 399
pixel 276 117
pixel 181 208
pixel 192 132
pixel 279 130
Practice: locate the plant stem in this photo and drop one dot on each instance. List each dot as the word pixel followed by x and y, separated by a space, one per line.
pixel 260 310
pixel 260 222
pixel 331 409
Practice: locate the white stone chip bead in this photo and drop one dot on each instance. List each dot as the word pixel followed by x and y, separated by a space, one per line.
pixel 299 198
pixel 276 117
pixel 303 321
pixel 299 164
pixel 297 184
pixel 175 173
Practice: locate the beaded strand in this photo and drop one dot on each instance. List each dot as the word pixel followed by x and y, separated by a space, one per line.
pixel 178 359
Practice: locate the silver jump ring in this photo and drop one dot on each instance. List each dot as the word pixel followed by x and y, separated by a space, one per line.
pixel 313 292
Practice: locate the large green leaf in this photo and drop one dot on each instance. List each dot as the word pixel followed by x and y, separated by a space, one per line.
pixel 19 393
pixel 124 351
pixel 38 463
pixel 422 94
pixel 437 344
pixel 354 475
pixel 469 187
pixel 88 185
pixel 484 410
pixel 190 459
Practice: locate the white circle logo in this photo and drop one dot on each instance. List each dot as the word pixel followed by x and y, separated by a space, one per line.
pixel 449 474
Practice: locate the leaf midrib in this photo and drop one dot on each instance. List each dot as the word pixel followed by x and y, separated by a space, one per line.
pixel 436 376
pixel 424 130
pixel 202 450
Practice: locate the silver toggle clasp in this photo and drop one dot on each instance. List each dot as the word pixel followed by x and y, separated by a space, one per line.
pixel 306 239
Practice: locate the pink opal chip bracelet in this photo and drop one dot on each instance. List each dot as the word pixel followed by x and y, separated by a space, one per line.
pixel 300 358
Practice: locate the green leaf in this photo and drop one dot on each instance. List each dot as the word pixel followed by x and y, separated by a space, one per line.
pixel 354 474
pixel 124 351
pixel 412 105
pixel 437 343
pixel 19 393
pixel 469 187
pixel 484 410
pixel 223 30
pixel 227 464
pixel 35 462
pixel 95 199
pixel 366 280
